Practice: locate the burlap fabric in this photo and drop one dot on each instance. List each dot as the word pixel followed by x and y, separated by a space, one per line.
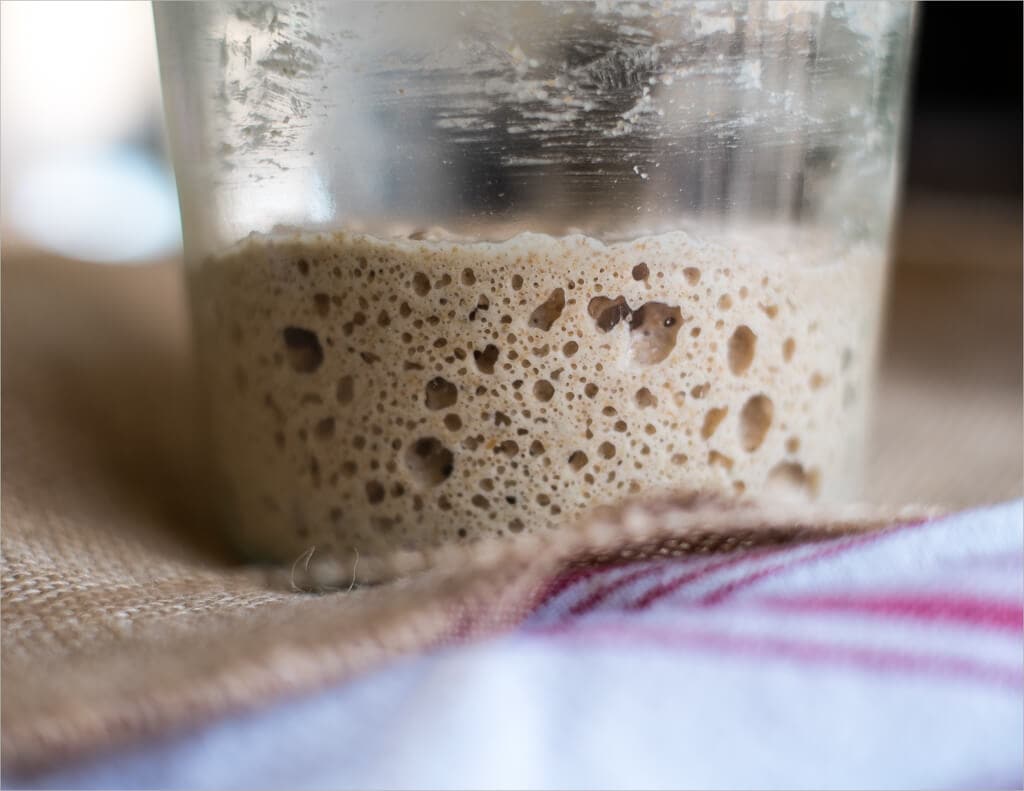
pixel 124 618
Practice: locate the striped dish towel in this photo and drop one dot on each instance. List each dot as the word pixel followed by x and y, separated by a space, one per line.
pixel 938 599
pixel 892 659
pixel 889 660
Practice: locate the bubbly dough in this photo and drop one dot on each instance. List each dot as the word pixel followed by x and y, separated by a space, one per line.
pixel 375 395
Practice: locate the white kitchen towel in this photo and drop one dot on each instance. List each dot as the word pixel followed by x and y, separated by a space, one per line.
pixel 889 660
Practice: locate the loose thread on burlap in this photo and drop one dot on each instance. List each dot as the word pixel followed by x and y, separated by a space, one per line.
pixel 355 565
pixel 307 556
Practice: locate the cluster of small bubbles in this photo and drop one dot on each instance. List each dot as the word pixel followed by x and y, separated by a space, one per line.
pixel 507 389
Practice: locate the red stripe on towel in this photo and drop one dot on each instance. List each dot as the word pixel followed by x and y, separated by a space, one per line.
pixel 883 662
pixel 999 614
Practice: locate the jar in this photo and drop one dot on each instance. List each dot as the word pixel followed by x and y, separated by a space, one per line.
pixel 467 270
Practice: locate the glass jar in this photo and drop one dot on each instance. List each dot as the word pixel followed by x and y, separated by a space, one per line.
pixel 466 270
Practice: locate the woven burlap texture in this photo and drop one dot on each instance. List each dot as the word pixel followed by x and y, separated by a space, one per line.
pixel 123 616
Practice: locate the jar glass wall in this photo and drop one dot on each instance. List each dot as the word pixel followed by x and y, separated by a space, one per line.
pixel 469 269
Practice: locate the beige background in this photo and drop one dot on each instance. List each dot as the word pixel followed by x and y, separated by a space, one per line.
pixel 948 424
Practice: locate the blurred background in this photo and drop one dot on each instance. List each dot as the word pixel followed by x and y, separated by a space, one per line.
pixel 966 116
pixel 82 130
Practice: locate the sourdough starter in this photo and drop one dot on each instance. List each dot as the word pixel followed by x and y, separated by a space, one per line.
pixel 368 396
